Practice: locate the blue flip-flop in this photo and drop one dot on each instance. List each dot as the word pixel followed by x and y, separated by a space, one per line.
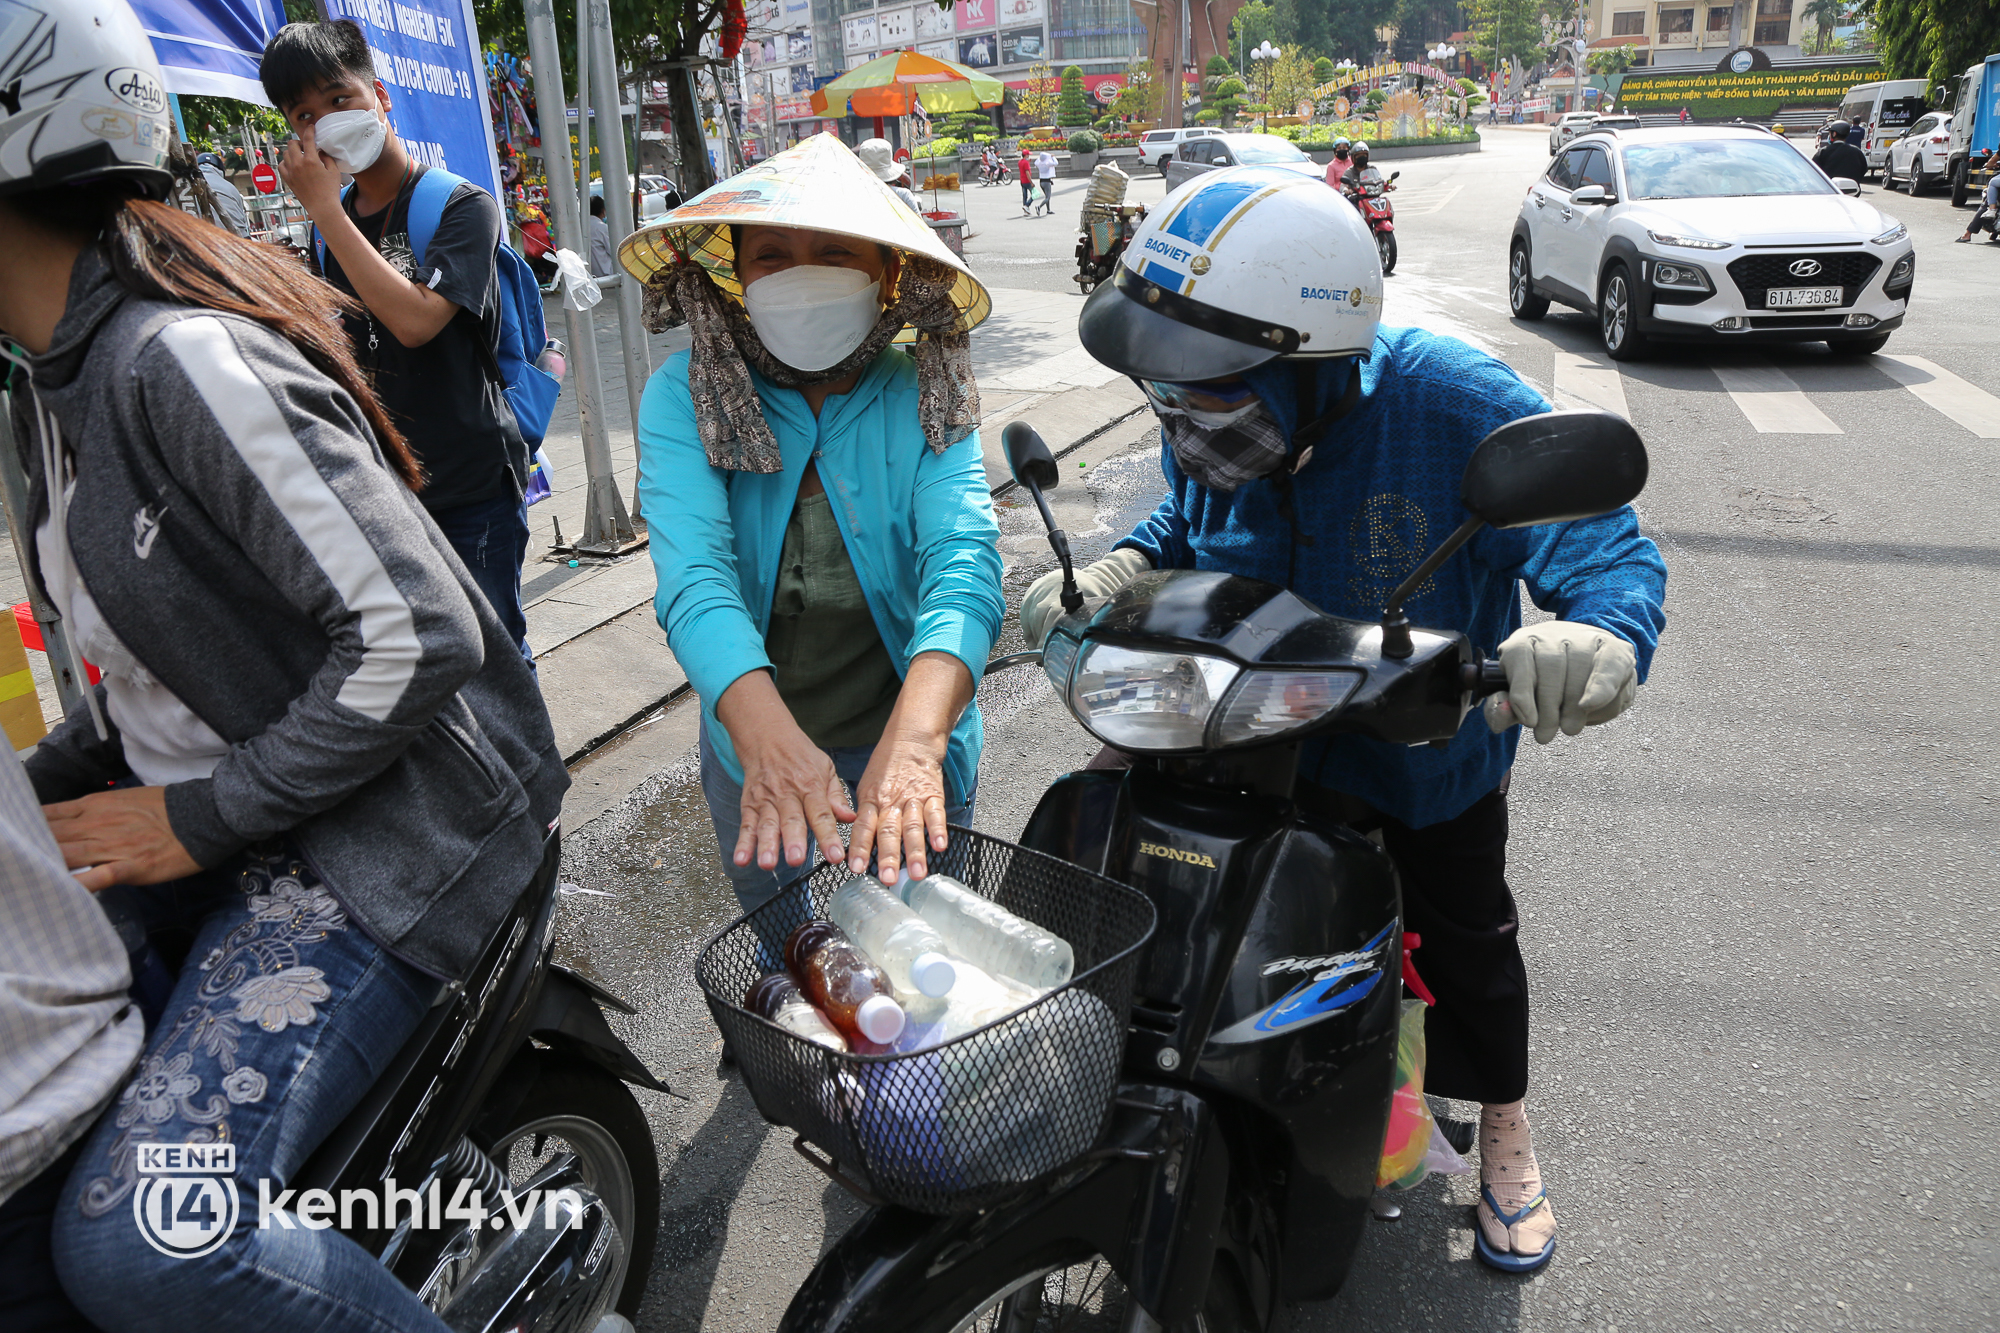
pixel 1507 1261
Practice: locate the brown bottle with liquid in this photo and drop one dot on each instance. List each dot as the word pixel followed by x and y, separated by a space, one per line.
pixel 778 998
pixel 843 983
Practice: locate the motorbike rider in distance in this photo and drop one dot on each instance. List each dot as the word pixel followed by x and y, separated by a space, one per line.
pixel 1307 447
pixel 1839 157
pixel 1336 170
pixel 1360 175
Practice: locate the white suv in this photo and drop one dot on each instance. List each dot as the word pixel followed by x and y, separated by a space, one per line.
pixel 1708 235
pixel 1158 147
pixel 1572 124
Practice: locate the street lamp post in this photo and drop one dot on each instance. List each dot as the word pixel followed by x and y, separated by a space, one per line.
pixel 1264 53
pixel 1440 53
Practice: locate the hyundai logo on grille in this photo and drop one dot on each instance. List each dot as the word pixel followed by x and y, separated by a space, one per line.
pixel 1805 268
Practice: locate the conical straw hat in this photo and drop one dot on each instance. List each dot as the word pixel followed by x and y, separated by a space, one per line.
pixel 820 185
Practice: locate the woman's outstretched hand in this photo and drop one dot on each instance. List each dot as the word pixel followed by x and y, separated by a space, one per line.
pixel 789 786
pixel 121 836
pixel 900 804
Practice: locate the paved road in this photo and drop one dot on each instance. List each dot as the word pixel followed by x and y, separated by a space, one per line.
pixel 1761 910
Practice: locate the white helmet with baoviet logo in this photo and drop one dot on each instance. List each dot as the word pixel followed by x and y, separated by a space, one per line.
pixel 1233 269
pixel 81 98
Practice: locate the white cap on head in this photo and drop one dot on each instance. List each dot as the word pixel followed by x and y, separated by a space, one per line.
pixel 880 158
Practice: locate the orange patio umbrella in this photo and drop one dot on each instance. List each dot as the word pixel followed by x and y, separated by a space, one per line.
pixel 891 84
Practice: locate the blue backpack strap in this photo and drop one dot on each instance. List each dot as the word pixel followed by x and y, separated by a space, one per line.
pixel 319 241
pixel 427 201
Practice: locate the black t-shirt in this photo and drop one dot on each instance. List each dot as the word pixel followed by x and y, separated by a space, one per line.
pixel 443 394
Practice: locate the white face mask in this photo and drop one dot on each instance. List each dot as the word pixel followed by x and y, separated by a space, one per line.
pixel 812 317
pixel 353 139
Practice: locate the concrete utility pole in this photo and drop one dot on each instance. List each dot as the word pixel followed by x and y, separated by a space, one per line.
pixel 605 525
pixel 618 212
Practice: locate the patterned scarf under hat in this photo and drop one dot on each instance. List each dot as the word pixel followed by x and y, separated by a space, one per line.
pixel 726 411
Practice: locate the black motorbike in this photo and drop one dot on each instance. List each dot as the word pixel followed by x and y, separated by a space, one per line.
pixel 513 1082
pixel 1237 1161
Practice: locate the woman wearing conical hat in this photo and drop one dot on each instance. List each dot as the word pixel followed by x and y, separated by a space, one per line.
pixel 828 561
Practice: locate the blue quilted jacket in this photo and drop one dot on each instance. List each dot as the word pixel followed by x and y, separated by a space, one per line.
pixel 1380 491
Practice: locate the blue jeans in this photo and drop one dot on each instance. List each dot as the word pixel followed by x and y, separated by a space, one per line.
pixel 754 885
pixel 282 1017
pixel 491 537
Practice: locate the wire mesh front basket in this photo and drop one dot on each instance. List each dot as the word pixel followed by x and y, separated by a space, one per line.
pixel 963 1123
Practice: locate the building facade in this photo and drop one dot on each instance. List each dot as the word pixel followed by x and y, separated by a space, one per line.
pixel 1696 32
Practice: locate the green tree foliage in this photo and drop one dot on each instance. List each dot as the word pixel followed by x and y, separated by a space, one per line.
pixel 1228 100
pixel 1613 60
pixel 1073 107
pixel 1139 99
pixel 1336 28
pixel 1933 39
pixel 1518 24
pixel 1322 71
pixel 1826 15
pixel 1254 24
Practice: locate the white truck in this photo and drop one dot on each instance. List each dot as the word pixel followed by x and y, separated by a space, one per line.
pixel 1974 102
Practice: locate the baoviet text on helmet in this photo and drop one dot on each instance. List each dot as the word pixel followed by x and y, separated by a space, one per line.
pixel 1173 252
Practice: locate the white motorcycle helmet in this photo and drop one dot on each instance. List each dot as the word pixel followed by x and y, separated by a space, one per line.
pixel 1233 269
pixel 87 103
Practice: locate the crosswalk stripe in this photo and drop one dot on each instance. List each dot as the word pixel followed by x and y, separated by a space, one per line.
pixel 1773 403
pixel 1429 207
pixel 1587 382
pixel 1971 407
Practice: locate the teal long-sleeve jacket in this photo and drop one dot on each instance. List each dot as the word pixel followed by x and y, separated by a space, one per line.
pixel 918 525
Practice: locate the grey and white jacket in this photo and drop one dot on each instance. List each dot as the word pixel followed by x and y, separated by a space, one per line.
pixel 244 538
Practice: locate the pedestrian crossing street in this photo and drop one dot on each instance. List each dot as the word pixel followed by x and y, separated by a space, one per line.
pixel 1773 403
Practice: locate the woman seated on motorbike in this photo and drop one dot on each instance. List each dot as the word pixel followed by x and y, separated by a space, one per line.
pixel 828 561
pixel 315 758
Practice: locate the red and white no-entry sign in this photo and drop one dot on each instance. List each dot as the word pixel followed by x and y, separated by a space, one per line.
pixel 265 177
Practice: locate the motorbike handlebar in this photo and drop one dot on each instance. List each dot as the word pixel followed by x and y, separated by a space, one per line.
pixel 1485 677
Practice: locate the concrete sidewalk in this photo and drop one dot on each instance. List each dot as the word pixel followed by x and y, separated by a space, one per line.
pixel 604 661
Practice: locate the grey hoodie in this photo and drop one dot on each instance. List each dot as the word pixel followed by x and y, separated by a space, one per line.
pixel 242 535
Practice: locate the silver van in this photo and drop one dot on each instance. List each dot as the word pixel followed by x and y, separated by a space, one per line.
pixel 1883 111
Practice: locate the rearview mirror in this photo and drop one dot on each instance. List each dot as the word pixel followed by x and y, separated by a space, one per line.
pixel 1846 185
pixel 1394 174
pixel 1593 194
pixel 1554 468
pixel 1028 459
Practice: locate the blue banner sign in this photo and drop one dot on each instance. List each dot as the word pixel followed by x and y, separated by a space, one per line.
pixel 211 47
pixel 427 56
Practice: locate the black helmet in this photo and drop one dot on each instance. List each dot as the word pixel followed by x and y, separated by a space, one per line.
pixel 1839 129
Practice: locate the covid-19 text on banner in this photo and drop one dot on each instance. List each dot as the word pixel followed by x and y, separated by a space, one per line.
pixel 427 56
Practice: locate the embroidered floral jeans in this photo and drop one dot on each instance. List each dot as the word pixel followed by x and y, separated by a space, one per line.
pixel 282 1016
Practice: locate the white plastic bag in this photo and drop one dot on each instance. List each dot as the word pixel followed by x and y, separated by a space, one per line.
pixel 580 290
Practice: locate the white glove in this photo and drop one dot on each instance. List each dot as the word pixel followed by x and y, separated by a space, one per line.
pixel 1562 674
pixel 1042 607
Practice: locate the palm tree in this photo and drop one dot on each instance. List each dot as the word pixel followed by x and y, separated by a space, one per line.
pixel 1826 15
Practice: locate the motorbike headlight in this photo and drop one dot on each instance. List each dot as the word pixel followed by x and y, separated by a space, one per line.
pixel 1269 703
pixel 1147 700
pixel 1058 656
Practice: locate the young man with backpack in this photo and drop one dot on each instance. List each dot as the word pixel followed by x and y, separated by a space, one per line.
pixel 416 247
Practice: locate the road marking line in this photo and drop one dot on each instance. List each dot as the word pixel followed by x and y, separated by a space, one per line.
pixel 1970 406
pixel 1773 403
pixel 1449 195
pixel 1587 382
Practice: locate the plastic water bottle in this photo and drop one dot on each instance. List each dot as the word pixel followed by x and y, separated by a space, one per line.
pixel 989 936
pixel 839 979
pixel 903 944
pixel 778 998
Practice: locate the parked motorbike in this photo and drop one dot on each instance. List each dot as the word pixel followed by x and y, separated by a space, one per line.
pixel 1380 215
pixel 514 1081
pixel 1237 1162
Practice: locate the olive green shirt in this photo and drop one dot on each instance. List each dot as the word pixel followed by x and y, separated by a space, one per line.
pixel 827 657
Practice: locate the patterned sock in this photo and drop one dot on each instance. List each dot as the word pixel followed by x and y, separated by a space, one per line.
pixel 1507 1166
